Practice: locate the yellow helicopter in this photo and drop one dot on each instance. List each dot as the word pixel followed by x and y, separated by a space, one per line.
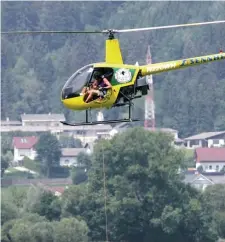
pixel 127 82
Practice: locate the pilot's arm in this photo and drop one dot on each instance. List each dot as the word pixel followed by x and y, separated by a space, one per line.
pixel 107 83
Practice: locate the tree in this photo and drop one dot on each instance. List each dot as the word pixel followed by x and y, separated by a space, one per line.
pixel 8 211
pixel 84 160
pixel 27 220
pixel 4 165
pixel 214 199
pixel 42 231
pixel 80 172
pixel 78 175
pixel 15 195
pixel 49 152
pixel 19 231
pixel 43 203
pixel 71 230
pixel 146 199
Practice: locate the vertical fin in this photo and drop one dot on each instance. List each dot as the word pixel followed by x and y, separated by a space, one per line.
pixel 112 52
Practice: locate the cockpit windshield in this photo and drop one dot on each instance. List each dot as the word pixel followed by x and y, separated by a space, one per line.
pixel 77 81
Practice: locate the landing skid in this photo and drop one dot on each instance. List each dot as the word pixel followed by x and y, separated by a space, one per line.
pixel 103 122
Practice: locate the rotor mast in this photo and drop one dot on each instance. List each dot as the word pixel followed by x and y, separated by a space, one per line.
pixel 113 53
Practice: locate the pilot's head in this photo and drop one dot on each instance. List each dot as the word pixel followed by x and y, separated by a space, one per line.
pixel 97 75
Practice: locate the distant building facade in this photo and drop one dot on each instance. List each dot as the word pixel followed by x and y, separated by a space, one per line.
pixel 50 119
pixel 202 181
pixel 24 147
pixel 207 139
pixel 210 159
pixel 69 156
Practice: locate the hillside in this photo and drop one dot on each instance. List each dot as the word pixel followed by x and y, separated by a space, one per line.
pixel 34 68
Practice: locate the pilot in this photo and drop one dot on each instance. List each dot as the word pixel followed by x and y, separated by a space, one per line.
pixel 99 87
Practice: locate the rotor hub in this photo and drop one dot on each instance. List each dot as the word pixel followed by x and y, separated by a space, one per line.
pixel 111 34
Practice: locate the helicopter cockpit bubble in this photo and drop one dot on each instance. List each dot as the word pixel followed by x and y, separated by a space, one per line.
pixel 77 81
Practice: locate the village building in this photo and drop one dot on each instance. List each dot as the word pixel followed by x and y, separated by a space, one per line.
pixel 207 139
pixel 210 159
pixel 69 156
pixel 24 147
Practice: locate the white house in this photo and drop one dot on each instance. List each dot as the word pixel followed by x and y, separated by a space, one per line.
pixel 198 181
pixel 211 159
pixel 90 133
pixel 8 122
pixel 69 156
pixel 124 126
pixel 201 181
pixel 47 120
pixel 208 139
pixel 24 146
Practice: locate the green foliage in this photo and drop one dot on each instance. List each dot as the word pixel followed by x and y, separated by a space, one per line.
pixel 4 165
pixel 200 169
pixel 8 211
pixel 42 231
pixel 189 157
pixel 31 165
pixel 15 195
pixel 214 198
pixel 20 231
pixel 71 230
pixel 43 203
pixel 60 172
pixel 49 152
pixel 84 160
pixel 78 175
pixel 146 200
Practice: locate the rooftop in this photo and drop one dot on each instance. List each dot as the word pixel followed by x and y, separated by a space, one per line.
pixel 205 135
pixel 72 151
pixel 44 128
pixel 215 179
pixel 10 122
pixel 24 142
pixel 210 154
pixel 43 117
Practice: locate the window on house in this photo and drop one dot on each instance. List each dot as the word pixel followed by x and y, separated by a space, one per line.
pixel 81 132
pixel 217 167
pixel 216 141
pixel 206 167
pixel 67 161
pixel 210 167
pixel 194 142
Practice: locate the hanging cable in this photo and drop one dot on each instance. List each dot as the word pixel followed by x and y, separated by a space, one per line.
pixel 105 194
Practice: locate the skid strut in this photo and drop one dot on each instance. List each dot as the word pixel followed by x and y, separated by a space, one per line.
pixel 129 119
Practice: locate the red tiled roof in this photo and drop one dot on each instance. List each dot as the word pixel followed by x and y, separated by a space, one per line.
pixel 55 189
pixel 24 142
pixel 210 154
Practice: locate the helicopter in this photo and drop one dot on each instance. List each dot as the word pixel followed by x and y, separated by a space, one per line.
pixel 127 82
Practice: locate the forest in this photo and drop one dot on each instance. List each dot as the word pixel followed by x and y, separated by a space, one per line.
pixel 134 194
pixel 35 67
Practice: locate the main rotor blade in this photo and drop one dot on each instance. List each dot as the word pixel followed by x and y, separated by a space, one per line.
pixel 113 30
pixel 169 26
pixel 52 32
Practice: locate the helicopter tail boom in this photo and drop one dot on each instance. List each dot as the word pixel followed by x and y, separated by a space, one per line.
pixel 179 64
